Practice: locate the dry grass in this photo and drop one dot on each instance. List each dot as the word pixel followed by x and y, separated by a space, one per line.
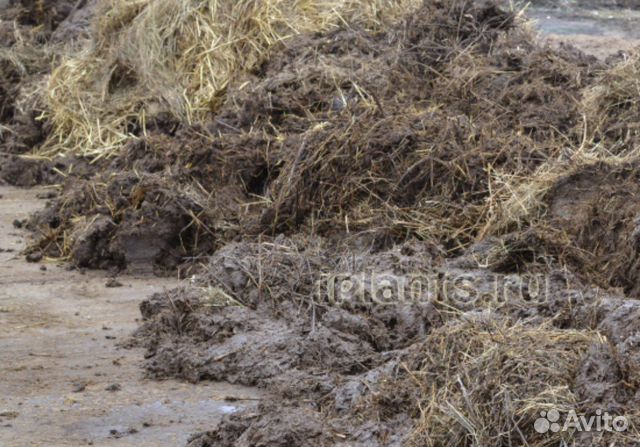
pixel 612 106
pixel 608 133
pixel 177 57
pixel 24 64
pixel 484 382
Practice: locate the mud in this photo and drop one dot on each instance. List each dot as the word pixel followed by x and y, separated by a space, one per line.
pixel 345 164
pixel 587 4
pixel 18 171
pixel 285 152
pixel 61 333
pixel 309 360
pixel 147 206
pixel 333 369
pixel 605 29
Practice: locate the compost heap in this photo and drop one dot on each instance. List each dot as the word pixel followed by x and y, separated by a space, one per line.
pixel 445 144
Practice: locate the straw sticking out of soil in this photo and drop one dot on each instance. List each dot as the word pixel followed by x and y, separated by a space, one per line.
pixel 374 136
pixel 413 374
pixel 258 147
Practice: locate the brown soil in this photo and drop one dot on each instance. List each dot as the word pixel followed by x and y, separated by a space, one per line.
pixel 377 137
pixel 354 153
pixel 362 373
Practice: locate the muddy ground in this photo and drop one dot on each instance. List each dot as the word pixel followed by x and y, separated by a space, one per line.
pixel 601 29
pixel 356 362
pixel 65 380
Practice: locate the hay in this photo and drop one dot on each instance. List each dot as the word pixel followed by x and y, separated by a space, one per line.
pixel 593 233
pixel 26 58
pixel 154 57
pixel 485 383
pixel 612 106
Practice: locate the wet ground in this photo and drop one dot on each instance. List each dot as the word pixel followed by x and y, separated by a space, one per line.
pixel 64 380
pixel 600 32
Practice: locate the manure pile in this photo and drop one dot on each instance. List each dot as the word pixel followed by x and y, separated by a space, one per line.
pixel 408 222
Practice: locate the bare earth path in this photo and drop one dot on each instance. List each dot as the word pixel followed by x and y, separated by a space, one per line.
pixel 63 381
pixel 601 33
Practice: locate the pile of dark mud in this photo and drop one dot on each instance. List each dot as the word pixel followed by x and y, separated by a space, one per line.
pixel 349 354
pixel 425 235
pixel 377 158
pixel 376 137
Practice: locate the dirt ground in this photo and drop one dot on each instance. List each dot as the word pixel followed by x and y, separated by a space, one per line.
pixel 601 47
pixel 65 381
pixel 599 32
